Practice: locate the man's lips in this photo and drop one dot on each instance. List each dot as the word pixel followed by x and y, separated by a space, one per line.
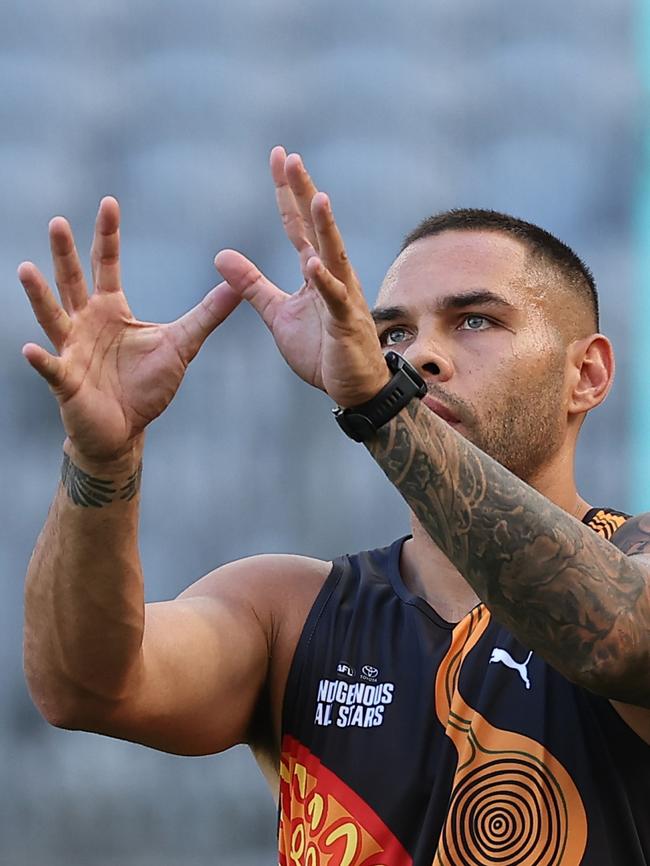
pixel 440 410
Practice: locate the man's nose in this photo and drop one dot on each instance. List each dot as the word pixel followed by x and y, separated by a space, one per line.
pixel 430 360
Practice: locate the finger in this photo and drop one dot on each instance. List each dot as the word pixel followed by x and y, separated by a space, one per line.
pixel 303 189
pixel 192 329
pixel 68 272
pixel 52 318
pixel 300 234
pixel 251 284
pixel 330 242
pixel 48 366
pixel 333 291
pixel 105 253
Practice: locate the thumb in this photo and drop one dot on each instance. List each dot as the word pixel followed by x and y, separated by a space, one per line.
pixel 246 278
pixel 192 329
pixel 49 366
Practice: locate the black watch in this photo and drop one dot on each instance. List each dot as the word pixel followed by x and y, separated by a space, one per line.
pixel 362 422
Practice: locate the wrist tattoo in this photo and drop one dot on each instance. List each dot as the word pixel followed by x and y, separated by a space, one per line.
pixel 132 486
pixel 89 492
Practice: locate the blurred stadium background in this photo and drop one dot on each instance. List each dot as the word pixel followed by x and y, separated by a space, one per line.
pixel 400 110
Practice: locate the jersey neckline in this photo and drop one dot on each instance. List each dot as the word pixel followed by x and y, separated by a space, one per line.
pixel 408 597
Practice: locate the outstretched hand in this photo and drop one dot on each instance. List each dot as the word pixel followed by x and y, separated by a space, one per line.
pixel 324 330
pixel 112 375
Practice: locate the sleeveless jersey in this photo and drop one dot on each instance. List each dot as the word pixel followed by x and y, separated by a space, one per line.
pixel 409 741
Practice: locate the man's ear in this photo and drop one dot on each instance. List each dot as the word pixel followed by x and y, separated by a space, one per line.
pixel 591 372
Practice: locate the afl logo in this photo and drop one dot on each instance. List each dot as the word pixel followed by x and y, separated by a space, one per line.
pixel 369 672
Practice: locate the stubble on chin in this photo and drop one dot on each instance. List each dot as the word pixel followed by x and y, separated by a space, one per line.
pixel 523 429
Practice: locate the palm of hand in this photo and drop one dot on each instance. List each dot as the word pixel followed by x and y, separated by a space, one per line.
pixel 298 328
pixel 118 375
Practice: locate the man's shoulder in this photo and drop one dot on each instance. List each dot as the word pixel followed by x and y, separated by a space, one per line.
pixel 268 575
pixel 285 570
pixel 279 588
pixel 280 566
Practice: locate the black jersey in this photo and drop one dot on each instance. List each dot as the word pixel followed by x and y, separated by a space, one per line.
pixel 410 740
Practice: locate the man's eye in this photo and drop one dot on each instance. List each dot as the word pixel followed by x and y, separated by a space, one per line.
pixel 475 323
pixel 394 335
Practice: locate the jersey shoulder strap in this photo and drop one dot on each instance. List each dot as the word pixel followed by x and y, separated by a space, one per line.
pixel 605 521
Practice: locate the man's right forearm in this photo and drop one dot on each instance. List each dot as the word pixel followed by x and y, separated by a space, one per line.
pixel 84 599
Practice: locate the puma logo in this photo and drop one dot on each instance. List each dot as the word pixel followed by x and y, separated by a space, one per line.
pixel 503 656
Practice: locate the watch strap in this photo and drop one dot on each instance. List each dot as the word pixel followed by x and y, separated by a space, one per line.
pixel 362 422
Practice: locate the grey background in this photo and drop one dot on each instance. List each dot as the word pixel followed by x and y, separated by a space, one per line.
pixel 400 110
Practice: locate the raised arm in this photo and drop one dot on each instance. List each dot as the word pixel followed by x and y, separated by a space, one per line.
pixel 184 675
pixel 563 591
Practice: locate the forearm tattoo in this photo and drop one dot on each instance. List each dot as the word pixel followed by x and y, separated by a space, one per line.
pixel 560 588
pixel 89 492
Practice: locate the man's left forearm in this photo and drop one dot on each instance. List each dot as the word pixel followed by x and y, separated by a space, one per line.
pixel 563 591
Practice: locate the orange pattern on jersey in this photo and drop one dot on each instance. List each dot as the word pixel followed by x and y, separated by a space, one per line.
pixel 323 822
pixel 512 802
pixel 606 524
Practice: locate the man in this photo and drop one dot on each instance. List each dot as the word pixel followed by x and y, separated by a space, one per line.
pixel 476 693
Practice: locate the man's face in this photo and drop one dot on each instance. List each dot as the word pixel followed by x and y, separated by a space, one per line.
pixel 466 310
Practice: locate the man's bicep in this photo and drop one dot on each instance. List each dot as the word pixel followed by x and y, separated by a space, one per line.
pixel 201 671
pixel 633 539
pixel 213 654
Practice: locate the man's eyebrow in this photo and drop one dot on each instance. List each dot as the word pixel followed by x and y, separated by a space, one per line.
pixel 475 298
pixel 388 314
pixel 478 297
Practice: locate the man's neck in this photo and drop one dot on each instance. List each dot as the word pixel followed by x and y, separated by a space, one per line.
pixel 428 573
pixel 557 483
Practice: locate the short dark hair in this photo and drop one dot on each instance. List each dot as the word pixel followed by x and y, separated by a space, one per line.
pixel 540 243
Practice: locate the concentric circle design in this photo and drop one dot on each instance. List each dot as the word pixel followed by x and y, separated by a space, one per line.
pixel 507 811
